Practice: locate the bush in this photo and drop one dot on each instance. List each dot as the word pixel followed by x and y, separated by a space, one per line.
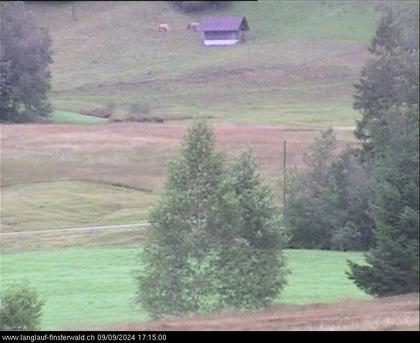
pixel 102 112
pixel 20 309
pixel 139 112
pixel 138 108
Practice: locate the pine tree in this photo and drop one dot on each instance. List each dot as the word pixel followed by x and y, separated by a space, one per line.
pixel 393 263
pixel 388 99
pixel 197 257
pixel 388 79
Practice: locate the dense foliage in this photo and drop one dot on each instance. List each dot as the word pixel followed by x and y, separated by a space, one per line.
pixel 196 6
pixel 388 80
pixel 24 59
pixel 393 263
pixel 309 203
pixel 388 97
pixel 216 237
pixel 368 198
pixel 20 308
pixel 326 204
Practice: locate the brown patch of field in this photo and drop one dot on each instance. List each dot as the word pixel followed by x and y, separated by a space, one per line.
pixel 132 154
pixel 392 313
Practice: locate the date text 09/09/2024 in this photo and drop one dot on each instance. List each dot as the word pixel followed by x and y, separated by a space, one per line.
pixel 144 337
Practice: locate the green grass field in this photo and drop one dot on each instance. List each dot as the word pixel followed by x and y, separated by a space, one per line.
pixel 74 118
pixel 88 287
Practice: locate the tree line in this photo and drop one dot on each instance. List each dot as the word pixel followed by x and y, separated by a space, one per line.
pixel 368 198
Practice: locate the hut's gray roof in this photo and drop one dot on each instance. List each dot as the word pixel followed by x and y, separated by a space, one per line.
pixel 224 23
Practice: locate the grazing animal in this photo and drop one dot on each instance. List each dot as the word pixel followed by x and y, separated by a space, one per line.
pixel 163 27
pixel 193 26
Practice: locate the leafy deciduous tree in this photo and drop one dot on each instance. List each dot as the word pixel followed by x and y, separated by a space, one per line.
pixel 215 238
pixel 25 56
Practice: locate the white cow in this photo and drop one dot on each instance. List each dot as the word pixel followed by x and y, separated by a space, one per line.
pixel 193 26
pixel 163 27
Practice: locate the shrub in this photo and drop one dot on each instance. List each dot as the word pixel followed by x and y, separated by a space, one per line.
pixel 102 112
pixel 138 108
pixel 20 309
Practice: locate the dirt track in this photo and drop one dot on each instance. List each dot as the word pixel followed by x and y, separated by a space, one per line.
pixel 393 313
pixel 73 229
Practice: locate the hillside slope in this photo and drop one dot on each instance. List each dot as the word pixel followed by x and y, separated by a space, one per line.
pixel 298 63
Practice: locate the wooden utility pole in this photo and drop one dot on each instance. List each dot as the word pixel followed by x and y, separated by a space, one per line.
pixel 284 180
pixel 73 11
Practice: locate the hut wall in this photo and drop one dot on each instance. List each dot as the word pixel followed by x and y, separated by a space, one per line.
pixel 221 37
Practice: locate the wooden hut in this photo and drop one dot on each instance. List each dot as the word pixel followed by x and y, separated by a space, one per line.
pixel 225 30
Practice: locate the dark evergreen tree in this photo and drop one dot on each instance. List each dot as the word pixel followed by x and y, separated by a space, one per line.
pixel 393 263
pixel 388 99
pixel 388 79
pixel 25 56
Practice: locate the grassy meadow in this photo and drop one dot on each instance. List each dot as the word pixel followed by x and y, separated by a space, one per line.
pixel 297 65
pixel 38 206
pixel 82 294
pixel 72 175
